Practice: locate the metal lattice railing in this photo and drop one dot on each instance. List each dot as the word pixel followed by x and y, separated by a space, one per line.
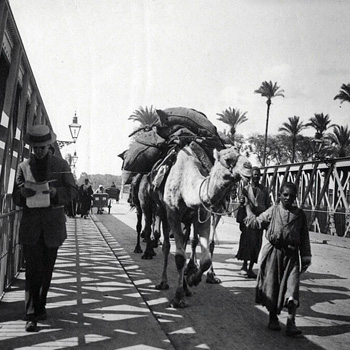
pixel 323 192
pixel 11 259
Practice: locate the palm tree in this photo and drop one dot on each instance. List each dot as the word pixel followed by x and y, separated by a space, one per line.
pixel 268 90
pixel 144 116
pixel 340 139
pixel 344 94
pixel 232 117
pixel 293 129
pixel 320 123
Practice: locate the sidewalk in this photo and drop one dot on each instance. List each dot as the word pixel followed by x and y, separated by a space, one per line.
pixel 92 302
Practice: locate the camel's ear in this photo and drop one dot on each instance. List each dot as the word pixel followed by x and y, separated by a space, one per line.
pixel 216 154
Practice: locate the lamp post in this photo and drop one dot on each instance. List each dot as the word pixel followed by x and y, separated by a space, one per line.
pixel 72 205
pixel 72 160
pixel 74 129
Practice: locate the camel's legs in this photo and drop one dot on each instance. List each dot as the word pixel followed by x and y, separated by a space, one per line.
pixel 180 258
pixel 192 264
pixel 166 250
pixel 203 231
pixel 211 277
pixel 149 252
pixel 134 189
pixel 138 230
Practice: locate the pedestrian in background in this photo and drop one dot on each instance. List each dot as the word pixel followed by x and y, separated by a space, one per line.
pixel 71 206
pixel 100 189
pixel 43 226
pixel 251 238
pixel 85 198
pixel 288 244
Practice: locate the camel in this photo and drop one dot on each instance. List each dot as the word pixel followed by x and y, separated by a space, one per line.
pixel 216 214
pixel 188 191
pixel 145 207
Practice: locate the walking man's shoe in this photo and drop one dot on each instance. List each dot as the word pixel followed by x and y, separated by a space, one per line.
pixel 292 330
pixel 31 326
pixel 243 272
pixel 251 274
pixel 274 324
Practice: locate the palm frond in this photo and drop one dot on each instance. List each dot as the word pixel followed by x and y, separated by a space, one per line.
pixel 344 94
pixel 269 90
pixel 232 117
pixel 340 139
pixel 320 122
pixel 145 116
pixel 294 127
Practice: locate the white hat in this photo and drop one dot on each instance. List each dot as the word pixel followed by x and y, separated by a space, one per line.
pixel 39 135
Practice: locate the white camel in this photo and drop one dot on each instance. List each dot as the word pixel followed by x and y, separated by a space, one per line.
pixel 188 190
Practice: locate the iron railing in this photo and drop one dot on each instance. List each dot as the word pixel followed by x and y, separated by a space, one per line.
pixel 11 257
pixel 323 192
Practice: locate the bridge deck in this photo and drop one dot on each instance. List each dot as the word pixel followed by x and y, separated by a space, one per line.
pixel 103 297
pixel 92 302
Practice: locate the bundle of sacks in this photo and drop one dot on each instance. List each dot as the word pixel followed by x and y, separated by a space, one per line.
pixel 175 126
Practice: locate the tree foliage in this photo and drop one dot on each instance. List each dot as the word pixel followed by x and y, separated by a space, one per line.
pixel 268 90
pixel 232 117
pixel 99 179
pixel 145 116
pixel 344 94
pixel 321 123
pixel 292 129
pixel 257 143
pixel 279 148
pixel 339 141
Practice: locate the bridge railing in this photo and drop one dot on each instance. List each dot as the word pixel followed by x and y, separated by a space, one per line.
pixel 11 258
pixel 21 106
pixel 323 191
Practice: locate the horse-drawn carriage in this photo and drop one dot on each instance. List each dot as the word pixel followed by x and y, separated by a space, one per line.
pixel 99 201
pixel 113 193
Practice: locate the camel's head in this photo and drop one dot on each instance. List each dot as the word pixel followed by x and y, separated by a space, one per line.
pixel 237 166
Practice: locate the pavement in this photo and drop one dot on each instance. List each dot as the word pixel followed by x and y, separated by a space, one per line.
pixel 92 303
pixel 102 297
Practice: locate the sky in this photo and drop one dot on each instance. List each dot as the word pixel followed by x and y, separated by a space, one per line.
pixel 103 59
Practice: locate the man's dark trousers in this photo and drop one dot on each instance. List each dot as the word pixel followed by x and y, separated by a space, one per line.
pixel 40 262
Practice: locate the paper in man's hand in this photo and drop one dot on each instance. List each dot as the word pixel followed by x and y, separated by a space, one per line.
pixel 41 199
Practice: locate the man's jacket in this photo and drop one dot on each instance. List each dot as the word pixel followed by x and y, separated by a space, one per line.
pixel 50 221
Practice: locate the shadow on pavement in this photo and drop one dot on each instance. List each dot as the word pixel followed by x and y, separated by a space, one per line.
pixel 92 304
pixel 218 316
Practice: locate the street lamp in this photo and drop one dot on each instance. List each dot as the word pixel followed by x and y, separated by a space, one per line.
pixel 74 131
pixel 74 159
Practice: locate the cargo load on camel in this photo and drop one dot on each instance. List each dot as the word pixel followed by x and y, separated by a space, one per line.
pixel 175 127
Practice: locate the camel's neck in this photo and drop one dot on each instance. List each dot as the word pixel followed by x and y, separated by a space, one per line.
pixel 216 185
